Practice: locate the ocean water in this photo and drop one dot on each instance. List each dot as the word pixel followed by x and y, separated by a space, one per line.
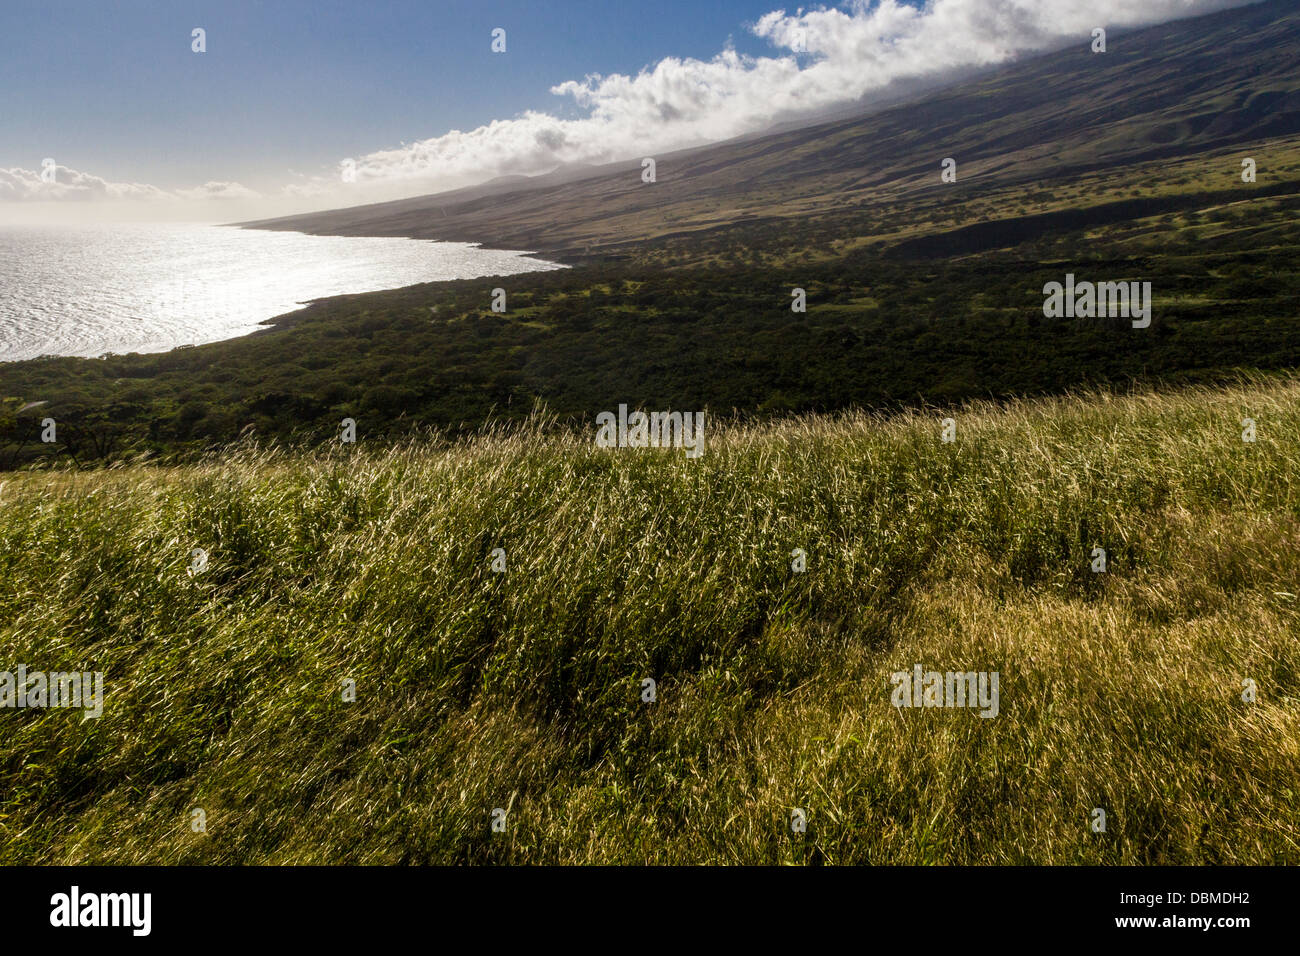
pixel 134 287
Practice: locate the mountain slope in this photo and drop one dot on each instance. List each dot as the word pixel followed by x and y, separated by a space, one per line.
pixel 1176 89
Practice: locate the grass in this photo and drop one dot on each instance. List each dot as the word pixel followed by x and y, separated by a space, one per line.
pixel 522 691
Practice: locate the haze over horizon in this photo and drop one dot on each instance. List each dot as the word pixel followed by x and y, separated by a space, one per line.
pixel 240 132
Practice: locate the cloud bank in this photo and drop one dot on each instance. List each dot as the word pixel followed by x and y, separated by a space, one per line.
pixel 62 183
pixel 827 58
pixel 55 183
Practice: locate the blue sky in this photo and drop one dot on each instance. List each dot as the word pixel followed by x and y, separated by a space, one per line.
pixel 291 97
pixel 114 87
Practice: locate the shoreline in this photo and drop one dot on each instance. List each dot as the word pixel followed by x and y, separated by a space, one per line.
pixel 560 254
pixel 295 316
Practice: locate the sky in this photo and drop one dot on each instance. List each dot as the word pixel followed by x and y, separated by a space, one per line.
pixel 310 105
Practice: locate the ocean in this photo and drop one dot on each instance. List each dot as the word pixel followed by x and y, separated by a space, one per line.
pixel 143 287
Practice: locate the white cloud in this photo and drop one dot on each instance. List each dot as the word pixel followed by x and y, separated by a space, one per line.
pixel 849 53
pixel 61 184
pixel 221 191
pixel 18 185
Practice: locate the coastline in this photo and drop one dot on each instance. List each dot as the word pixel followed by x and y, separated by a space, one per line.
pixel 304 308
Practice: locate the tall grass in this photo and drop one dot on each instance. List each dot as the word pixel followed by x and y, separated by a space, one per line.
pixel 478 690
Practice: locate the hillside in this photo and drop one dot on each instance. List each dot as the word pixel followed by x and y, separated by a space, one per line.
pixel 1190 87
pixel 1123 166
pixel 524 690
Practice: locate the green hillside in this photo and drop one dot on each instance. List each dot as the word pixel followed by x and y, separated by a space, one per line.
pixel 1118 167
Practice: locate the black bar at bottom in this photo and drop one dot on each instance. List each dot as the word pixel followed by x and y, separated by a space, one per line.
pixel 945 906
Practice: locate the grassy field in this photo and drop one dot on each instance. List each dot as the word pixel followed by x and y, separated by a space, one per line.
pixel 1121 691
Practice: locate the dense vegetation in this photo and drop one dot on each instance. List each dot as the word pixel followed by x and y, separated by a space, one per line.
pixel 880 332
pixel 521 690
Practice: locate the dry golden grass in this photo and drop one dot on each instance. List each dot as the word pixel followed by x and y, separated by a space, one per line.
pixel 475 690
